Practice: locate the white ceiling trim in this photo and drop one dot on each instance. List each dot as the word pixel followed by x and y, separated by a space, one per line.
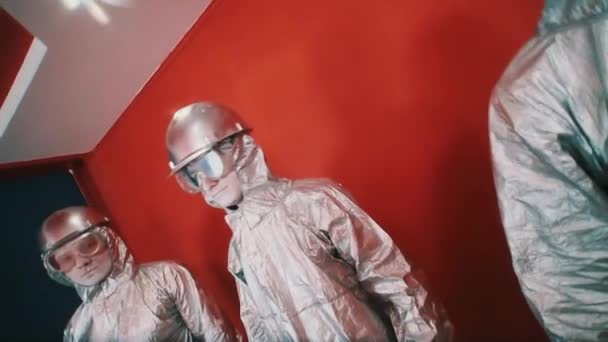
pixel 24 77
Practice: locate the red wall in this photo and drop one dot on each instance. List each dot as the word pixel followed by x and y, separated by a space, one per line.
pixel 388 97
pixel 15 42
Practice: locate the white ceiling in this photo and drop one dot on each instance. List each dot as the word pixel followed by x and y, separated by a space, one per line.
pixel 100 54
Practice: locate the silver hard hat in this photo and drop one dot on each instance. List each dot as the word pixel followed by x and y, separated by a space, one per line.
pixel 196 128
pixel 68 222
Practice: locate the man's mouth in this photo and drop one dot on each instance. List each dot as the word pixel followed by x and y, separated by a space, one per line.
pixel 89 272
pixel 216 191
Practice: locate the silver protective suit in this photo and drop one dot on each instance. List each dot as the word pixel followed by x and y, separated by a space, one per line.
pixel 150 302
pixel 549 138
pixel 308 263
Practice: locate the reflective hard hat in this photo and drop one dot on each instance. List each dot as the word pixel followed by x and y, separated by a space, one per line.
pixel 68 222
pixel 196 128
pixel 66 226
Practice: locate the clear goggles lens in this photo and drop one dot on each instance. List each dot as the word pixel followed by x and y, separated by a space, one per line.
pixel 212 165
pixel 63 259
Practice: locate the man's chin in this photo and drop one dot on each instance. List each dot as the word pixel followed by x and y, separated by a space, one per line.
pixel 222 204
pixel 89 283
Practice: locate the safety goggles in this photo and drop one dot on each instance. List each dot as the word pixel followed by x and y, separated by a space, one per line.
pixel 87 243
pixel 212 165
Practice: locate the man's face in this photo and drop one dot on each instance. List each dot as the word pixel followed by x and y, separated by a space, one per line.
pixel 86 260
pixel 216 175
pixel 222 193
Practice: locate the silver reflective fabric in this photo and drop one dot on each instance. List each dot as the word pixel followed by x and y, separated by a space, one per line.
pixel 309 263
pixel 549 138
pixel 149 302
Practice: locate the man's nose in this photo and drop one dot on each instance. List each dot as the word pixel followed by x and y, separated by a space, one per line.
pixel 207 183
pixel 82 262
